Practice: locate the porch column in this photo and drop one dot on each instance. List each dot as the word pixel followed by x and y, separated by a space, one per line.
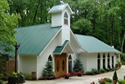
pixel 111 61
pixel 106 61
pixel 101 61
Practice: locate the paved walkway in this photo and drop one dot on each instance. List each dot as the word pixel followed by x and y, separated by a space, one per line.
pixel 80 80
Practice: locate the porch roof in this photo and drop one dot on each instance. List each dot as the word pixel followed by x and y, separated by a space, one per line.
pixel 60 49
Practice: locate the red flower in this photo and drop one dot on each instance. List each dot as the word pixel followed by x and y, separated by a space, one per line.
pixel 79 73
pixel 102 79
pixel 67 74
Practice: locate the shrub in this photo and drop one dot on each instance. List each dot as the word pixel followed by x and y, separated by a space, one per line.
pixel 115 76
pixel 78 66
pixel 108 80
pixel 101 82
pixel 1 82
pixel 99 71
pixel 95 71
pixel 48 72
pixel 122 57
pixel 89 73
pixel 121 81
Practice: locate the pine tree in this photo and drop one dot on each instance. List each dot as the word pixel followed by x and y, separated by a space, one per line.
pixel 115 76
pixel 78 66
pixel 48 72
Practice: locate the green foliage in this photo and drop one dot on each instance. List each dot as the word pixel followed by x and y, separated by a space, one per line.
pixel 48 72
pixel 108 80
pixel 102 82
pixel 7 24
pixel 121 81
pixel 1 75
pixel 1 82
pixel 105 18
pixel 32 11
pixel 122 57
pixel 93 72
pixel 115 76
pixel 83 25
pixel 78 66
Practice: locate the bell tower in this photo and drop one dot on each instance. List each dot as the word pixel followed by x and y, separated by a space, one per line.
pixel 61 17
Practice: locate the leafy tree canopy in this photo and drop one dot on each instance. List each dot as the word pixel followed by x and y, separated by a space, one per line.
pixel 7 24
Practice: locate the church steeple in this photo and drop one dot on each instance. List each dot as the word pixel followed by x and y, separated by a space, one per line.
pixel 60 15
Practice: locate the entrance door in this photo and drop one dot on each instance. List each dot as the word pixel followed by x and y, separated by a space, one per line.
pixel 60 64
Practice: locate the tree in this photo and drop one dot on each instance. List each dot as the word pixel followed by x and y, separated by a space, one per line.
pixel 7 24
pixel 78 66
pixel 48 72
pixel 32 11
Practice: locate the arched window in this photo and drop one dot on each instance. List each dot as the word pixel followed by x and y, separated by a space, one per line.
pixel 112 61
pixel 98 61
pixel 70 63
pixel 50 58
pixel 66 18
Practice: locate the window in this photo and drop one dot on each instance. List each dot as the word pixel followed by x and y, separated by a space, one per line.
pixel 63 65
pixel 70 63
pixel 98 61
pixel 109 61
pixel 112 61
pixel 57 65
pixel 50 58
pixel 66 18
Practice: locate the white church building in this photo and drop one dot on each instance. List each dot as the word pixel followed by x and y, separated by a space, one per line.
pixel 57 42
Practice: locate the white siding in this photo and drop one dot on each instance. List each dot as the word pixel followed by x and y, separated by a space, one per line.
pixel 56 19
pixel 27 64
pixel 42 59
pixel 83 59
pixel 91 61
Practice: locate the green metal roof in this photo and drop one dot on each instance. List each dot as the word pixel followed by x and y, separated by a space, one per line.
pixel 33 39
pixel 59 49
pixel 92 44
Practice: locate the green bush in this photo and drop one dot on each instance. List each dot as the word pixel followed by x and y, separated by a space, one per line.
pixel 107 83
pixel 1 82
pixel 78 66
pixel 121 81
pixel 115 76
pixel 48 72
pixel 95 71
pixel 122 57
pixel 101 82
pixel 108 80
pixel 90 73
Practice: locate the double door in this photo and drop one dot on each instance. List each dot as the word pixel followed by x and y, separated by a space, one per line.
pixel 60 64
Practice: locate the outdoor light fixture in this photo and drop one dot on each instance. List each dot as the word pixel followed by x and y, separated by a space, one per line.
pixel 16 59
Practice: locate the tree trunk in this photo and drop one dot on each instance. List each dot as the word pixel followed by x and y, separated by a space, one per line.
pixel 123 41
